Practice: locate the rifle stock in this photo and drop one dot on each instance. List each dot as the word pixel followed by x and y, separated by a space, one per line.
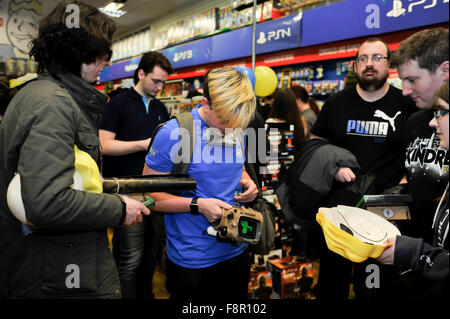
pixel 148 184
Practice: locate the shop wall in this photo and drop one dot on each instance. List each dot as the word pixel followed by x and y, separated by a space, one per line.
pixel 19 21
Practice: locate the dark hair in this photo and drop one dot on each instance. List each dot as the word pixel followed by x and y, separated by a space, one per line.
pixel 116 92
pixel 148 62
pixel 193 93
pixel 60 47
pixel 284 107
pixel 372 40
pixel 301 93
pixel 429 47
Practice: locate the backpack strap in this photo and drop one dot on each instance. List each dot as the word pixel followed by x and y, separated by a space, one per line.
pixel 186 122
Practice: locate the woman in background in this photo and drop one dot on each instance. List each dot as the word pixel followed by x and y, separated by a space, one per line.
pixel 284 110
pixel 307 106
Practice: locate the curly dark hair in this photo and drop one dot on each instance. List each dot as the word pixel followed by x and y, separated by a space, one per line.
pixel 429 47
pixel 60 47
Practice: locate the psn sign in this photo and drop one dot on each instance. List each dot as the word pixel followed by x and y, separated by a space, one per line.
pixel 274 35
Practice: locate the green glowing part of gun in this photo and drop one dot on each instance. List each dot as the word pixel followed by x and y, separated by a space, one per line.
pixel 245 226
pixel 150 202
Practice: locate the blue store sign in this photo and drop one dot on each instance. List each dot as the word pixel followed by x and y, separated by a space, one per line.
pixel 358 18
pixel 192 53
pixel 271 36
pixel 340 21
pixel 120 70
pixel 275 35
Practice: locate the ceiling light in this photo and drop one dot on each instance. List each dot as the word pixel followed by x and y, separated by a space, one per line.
pixel 112 9
pixel 113 6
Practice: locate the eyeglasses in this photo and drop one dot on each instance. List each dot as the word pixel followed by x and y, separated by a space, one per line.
pixel 439 113
pixel 375 58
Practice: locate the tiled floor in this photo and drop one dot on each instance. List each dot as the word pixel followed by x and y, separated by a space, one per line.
pixel 159 283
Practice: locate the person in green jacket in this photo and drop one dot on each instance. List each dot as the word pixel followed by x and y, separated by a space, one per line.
pixel 49 147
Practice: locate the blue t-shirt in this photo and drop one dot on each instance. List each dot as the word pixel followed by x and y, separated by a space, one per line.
pixel 217 170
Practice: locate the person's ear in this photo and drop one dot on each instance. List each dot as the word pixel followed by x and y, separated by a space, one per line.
pixel 444 68
pixel 141 74
pixel 205 104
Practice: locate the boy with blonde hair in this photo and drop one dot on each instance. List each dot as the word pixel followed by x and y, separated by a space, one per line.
pixel 194 258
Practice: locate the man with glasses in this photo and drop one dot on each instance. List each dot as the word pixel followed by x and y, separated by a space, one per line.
pixel 368 120
pixel 423 66
pixel 127 125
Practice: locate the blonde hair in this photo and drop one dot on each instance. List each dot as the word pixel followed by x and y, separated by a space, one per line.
pixel 441 93
pixel 230 95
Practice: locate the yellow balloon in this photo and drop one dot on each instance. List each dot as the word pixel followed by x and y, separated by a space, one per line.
pixel 266 81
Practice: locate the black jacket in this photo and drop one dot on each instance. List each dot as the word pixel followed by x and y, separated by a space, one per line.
pixel 310 184
pixel 429 264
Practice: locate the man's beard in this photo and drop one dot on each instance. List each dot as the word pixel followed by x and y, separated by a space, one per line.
pixel 373 84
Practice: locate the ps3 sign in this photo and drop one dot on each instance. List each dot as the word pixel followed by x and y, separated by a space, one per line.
pixel 274 35
pixel 184 55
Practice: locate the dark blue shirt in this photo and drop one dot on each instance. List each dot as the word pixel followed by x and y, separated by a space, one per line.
pixel 127 117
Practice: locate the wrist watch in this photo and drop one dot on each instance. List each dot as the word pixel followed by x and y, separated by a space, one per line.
pixel 193 207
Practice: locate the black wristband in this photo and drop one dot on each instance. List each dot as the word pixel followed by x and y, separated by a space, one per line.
pixel 193 207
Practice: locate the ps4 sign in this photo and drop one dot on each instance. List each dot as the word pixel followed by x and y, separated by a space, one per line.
pixel 370 17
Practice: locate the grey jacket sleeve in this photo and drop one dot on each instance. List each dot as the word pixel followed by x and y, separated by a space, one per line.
pixel 46 166
pixel 431 263
pixel 327 160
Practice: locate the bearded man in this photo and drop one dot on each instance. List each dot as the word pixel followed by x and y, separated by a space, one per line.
pixel 369 120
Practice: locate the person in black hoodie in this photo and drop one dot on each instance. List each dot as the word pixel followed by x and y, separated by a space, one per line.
pixel 428 263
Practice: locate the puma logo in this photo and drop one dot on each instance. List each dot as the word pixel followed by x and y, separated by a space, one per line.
pixel 391 120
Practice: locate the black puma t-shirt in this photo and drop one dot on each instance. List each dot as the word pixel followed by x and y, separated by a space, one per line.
pixel 372 131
